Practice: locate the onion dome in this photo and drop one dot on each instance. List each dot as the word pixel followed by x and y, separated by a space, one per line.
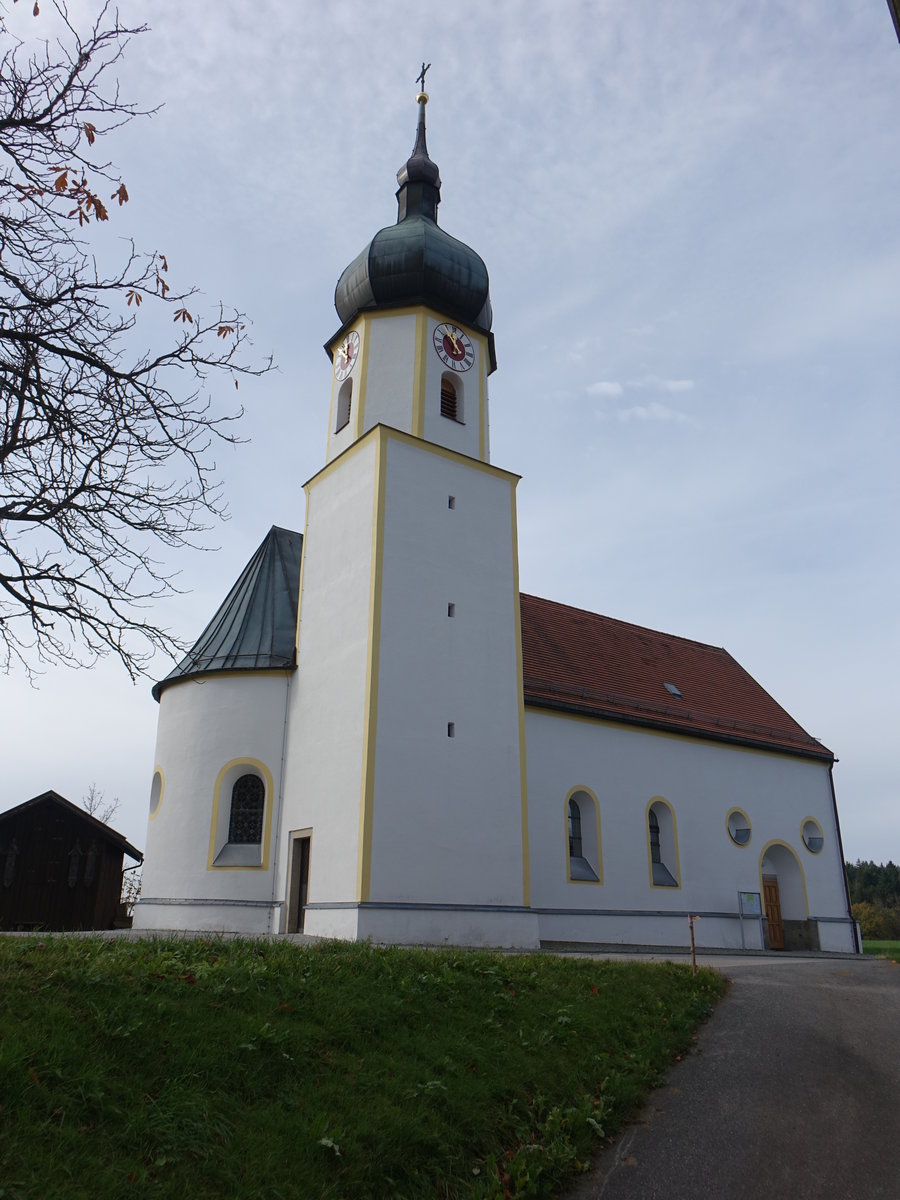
pixel 415 261
pixel 254 628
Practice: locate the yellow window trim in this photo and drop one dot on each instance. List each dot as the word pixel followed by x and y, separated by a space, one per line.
pixel 157 770
pixel 581 787
pixel 421 351
pixel 370 720
pixel 737 809
pixel 523 758
pixel 267 814
pixel 662 800
pixel 818 825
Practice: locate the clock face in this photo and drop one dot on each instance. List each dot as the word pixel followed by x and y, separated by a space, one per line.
pixel 346 355
pixel 454 347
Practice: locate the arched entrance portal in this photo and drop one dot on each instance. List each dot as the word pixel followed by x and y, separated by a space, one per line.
pixel 785 903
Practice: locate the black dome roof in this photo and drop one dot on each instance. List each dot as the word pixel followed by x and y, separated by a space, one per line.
pixel 415 261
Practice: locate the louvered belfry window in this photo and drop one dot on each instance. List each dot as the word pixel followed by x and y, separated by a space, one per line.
pixel 247 801
pixel 448 399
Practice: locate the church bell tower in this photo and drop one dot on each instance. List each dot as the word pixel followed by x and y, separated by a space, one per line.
pixel 405 760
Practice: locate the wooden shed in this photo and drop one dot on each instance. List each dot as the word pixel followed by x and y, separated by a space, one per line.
pixel 60 868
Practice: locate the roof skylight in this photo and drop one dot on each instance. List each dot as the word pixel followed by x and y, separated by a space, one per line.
pixel 673 690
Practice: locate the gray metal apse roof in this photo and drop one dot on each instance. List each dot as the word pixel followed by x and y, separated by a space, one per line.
pixel 255 627
pixel 415 261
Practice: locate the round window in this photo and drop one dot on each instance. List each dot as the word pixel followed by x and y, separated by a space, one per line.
pixel 739 827
pixel 156 790
pixel 813 838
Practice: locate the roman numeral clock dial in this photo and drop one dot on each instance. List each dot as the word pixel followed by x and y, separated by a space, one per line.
pixel 454 348
pixel 346 356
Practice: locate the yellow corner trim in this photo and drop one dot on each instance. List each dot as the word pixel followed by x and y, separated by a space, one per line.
pixel 370 726
pixel 419 375
pixel 267 816
pixel 482 402
pixel 362 376
pixel 523 758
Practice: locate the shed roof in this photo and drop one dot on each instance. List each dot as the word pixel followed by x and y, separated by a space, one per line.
pixel 255 627
pixel 583 662
pixel 54 799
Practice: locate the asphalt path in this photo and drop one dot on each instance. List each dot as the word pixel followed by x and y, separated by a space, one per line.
pixel 792 1091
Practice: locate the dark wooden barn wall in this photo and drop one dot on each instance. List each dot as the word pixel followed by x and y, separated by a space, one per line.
pixel 40 894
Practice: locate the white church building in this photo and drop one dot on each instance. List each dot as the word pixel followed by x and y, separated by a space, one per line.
pixel 378 736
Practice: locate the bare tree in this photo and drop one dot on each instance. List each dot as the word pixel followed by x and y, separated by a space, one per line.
pixel 95 803
pixel 106 417
pixel 132 881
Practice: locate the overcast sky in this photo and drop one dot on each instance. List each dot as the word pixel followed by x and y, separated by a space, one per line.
pixel 689 213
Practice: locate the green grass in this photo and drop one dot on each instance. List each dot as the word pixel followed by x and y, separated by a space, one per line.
pixel 214 1069
pixel 882 949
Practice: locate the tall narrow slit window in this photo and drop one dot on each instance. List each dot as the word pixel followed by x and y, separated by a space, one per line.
pixel 247 801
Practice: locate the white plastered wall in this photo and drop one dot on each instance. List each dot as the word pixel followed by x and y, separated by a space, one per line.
pixel 390 371
pixel 204 725
pixel 626 768
pixel 446 816
pixel 326 725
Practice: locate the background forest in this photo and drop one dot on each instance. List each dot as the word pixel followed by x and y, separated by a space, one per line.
pixel 875 896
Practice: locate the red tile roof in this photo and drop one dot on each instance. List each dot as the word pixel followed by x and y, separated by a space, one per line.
pixel 582 662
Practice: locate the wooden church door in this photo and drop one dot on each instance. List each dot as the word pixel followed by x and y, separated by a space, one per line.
pixel 772 901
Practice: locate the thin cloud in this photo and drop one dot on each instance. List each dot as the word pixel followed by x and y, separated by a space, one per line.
pixel 655 383
pixel 605 387
pixel 654 411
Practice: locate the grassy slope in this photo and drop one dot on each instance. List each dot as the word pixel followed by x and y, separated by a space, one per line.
pixel 882 949
pixel 248 1069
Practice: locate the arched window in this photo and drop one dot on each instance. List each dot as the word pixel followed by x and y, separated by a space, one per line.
pixel 344 403
pixel 583 832
pixel 662 844
pixel 452 398
pixel 448 398
pixel 246 822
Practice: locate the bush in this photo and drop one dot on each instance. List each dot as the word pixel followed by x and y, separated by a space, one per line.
pixel 880 922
